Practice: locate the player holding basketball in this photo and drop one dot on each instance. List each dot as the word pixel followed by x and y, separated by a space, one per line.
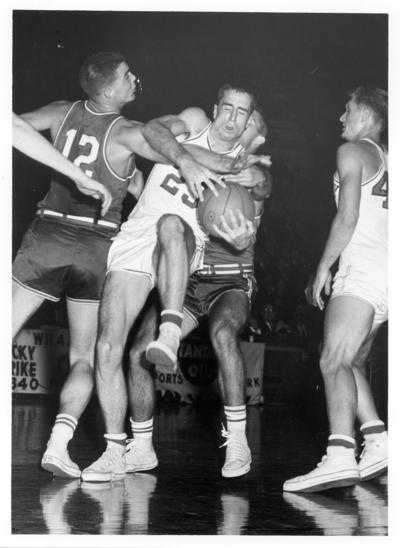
pixel 228 317
pixel 64 251
pixel 358 299
pixel 134 257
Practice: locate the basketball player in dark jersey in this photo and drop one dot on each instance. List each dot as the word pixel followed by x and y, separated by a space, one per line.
pixel 33 144
pixel 140 454
pixel 64 252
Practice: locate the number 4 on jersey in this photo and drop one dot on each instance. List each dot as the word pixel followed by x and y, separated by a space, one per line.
pixel 381 189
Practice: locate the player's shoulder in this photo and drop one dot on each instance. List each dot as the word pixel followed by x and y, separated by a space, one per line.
pixel 349 148
pixel 357 153
pixel 126 129
pixel 195 118
pixel 129 125
pixel 60 107
pixel 351 153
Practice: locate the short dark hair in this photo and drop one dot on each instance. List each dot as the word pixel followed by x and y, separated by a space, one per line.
pixel 98 70
pixel 241 89
pixel 374 98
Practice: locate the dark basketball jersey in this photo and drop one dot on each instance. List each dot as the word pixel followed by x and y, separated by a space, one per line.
pixel 82 138
pixel 218 251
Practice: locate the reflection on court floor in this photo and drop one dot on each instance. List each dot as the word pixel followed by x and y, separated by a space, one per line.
pixel 186 494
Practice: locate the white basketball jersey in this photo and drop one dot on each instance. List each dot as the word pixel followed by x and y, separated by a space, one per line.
pixel 369 240
pixel 165 191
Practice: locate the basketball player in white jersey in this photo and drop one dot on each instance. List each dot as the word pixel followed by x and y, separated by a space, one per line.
pixel 358 299
pixel 161 236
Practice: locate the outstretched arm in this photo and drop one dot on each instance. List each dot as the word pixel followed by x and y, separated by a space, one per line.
pixel 191 121
pixel 349 167
pixel 30 142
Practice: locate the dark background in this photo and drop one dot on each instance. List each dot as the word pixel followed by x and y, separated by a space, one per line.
pixel 301 64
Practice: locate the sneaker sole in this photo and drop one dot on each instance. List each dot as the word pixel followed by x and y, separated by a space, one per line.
pixel 159 354
pixel 374 470
pixel 99 477
pixel 308 487
pixel 57 467
pixel 150 466
pixel 236 473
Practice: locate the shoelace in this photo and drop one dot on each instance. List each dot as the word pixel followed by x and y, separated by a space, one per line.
pixel 107 459
pixel 324 458
pixel 235 447
pixel 132 444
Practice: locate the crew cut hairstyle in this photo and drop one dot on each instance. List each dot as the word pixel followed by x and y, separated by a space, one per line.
pixel 241 89
pixel 98 70
pixel 376 99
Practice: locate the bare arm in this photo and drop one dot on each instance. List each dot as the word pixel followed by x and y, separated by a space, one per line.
pixel 48 117
pixel 136 184
pixel 350 167
pixel 33 144
pixel 193 162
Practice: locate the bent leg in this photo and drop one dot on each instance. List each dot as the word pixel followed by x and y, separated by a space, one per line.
pixel 24 305
pixel 123 297
pixel 228 317
pixel 77 389
pixel 348 323
pixel 176 246
pixel 141 372
pixel 366 409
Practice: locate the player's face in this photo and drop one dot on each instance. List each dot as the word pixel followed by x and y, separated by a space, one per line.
pixel 231 115
pixel 124 85
pixel 352 120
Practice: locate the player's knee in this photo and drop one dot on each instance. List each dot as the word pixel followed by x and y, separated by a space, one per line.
pixel 170 225
pixel 223 334
pixel 109 353
pixel 334 358
pixel 137 356
pixel 82 361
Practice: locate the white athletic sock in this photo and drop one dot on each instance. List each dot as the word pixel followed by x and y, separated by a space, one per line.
pixel 63 430
pixel 373 429
pixel 341 445
pixel 142 431
pixel 235 418
pixel 171 316
pixel 115 441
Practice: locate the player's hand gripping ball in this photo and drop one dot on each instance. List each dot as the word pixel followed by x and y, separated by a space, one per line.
pixel 233 197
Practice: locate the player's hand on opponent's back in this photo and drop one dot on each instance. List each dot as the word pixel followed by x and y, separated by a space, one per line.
pixel 97 190
pixel 238 231
pixel 197 176
pixel 320 281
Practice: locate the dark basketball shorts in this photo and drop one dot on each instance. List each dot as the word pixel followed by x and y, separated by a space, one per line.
pixel 205 289
pixel 63 258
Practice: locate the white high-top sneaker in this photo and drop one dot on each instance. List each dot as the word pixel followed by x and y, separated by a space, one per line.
pixel 336 469
pixel 111 465
pixel 374 458
pixel 58 462
pixel 140 456
pixel 238 455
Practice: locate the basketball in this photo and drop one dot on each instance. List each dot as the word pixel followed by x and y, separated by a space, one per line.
pixel 233 197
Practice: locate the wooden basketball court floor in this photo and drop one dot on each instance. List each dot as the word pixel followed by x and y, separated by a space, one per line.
pixel 186 494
